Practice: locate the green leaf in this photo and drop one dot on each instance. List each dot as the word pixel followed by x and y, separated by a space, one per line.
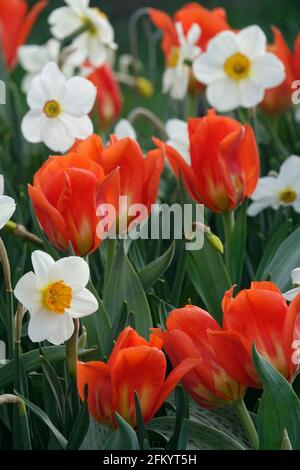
pixel 124 284
pixel 80 428
pixel 286 258
pixel 55 387
pixel 21 433
pixel 207 273
pixel 153 271
pixel 201 436
pixel 238 242
pixel 31 361
pixel 45 419
pixel 179 438
pixel 98 325
pixel 118 325
pixel 141 429
pixel 279 407
pixel 96 437
pixel 124 438
pixel 270 250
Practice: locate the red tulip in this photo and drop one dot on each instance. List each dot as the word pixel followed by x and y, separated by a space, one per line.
pixel 135 365
pixel 258 315
pixel 186 338
pixel 109 97
pixel 210 22
pixel 67 190
pixel 279 99
pixel 138 177
pixel 63 195
pixel 15 26
pixel 224 161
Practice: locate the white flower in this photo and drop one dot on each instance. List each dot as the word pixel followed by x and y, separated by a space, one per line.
pixel 33 59
pixel 54 294
pixel 291 294
pixel 124 129
pixel 7 205
pixel 177 75
pixel 93 43
pixel 237 69
pixel 177 132
pixel 281 190
pixel 58 109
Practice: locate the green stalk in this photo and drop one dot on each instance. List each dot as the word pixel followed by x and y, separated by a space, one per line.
pixel 9 297
pixel 71 350
pixel 228 222
pixel 247 423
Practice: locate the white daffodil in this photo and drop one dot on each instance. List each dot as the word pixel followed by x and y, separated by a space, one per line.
pixel 58 109
pixel 7 205
pixel 177 74
pixel 280 190
pixel 177 132
pixel 124 129
pixel 33 59
pixel 237 69
pixel 54 294
pixel 96 35
pixel 291 294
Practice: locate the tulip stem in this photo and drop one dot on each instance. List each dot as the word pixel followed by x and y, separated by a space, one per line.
pixel 247 423
pixel 228 222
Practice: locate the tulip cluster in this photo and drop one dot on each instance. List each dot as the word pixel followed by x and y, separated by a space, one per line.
pixel 67 191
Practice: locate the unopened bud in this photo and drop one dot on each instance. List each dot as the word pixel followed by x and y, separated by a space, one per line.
pixel 215 242
pixel 144 87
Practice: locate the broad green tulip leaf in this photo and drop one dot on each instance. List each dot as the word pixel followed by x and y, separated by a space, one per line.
pixel 124 284
pixel 284 260
pixel 263 271
pixel 207 272
pixel 153 271
pixel 279 408
pixel 200 436
pixel 124 438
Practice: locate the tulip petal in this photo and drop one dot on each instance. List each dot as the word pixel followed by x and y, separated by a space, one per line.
pixel 126 339
pixel 97 376
pixel 234 353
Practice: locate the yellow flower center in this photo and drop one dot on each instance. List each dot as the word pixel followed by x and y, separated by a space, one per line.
pixel 57 297
pixel 237 66
pixel 88 23
pixel 288 195
pixel 173 57
pixel 52 109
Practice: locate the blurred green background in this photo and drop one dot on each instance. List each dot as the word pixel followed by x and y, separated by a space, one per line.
pixel 282 13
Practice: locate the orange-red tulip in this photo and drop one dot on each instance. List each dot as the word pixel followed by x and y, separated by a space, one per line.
pixel 109 98
pixel 258 315
pixel 67 190
pixel 135 365
pixel 279 99
pixel 210 22
pixel 63 195
pixel 224 161
pixel 138 177
pixel 16 23
pixel 186 337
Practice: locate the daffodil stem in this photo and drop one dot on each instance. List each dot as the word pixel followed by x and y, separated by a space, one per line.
pixel 228 222
pixel 9 297
pixel 247 423
pixel 110 254
pixel 71 350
